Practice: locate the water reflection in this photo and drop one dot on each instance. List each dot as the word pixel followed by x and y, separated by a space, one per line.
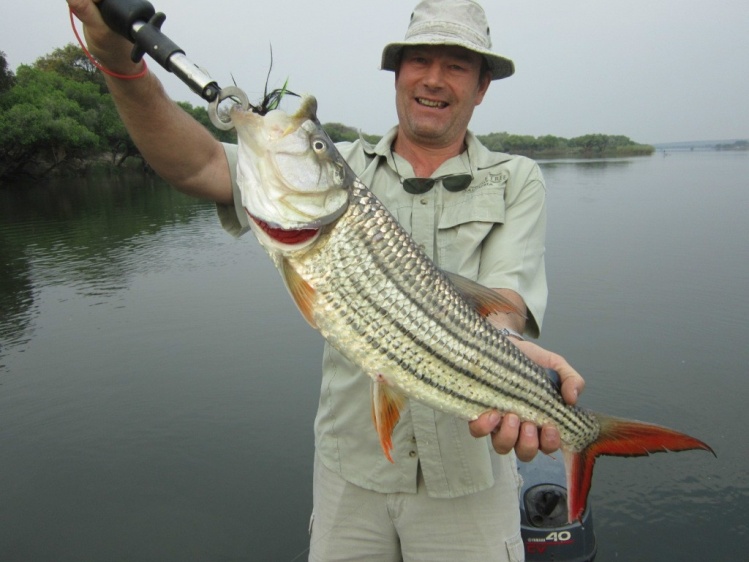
pixel 84 234
pixel 159 386
pixel 586 163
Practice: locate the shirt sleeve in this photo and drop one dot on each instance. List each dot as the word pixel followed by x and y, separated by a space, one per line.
pixel 233 217
pixel 512 255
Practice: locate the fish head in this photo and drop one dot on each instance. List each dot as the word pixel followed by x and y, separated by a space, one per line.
pixel 292 179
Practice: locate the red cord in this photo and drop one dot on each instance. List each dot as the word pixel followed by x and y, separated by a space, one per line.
pixel 101 67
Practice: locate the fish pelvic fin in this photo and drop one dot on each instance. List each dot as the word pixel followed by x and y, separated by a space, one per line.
pixel 620 438
pixel 485 301
pixel 301 291
pixel 387 404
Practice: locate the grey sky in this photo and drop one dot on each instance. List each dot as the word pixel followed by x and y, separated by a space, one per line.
pixel 654 70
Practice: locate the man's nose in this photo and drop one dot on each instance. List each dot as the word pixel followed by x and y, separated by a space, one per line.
pixel 434 75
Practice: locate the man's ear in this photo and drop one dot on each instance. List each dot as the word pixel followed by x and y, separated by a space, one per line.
pixel 484 83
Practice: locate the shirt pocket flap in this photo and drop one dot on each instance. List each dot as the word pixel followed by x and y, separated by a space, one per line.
pixel 483 205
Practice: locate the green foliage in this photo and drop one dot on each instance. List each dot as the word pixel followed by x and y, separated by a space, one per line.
pixel 58 115
pixel 200 114
pixel 339 132
pixel 71 62
pixel 46 121
pixel 551 146
pixel 608 145
pixel 551 143
pixel 7 78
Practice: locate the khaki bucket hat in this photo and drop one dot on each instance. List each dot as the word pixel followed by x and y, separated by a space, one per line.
pixel 449 22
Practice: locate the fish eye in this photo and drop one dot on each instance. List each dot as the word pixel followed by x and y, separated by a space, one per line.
pixel 319 145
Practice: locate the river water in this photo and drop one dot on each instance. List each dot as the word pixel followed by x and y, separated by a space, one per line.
pixel 157 385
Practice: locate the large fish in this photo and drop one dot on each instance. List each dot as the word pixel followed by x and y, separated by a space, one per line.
pixel 419 333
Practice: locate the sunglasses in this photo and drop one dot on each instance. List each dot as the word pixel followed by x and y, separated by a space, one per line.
pixel 451 182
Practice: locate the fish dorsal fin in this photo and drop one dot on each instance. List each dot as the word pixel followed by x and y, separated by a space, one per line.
pixel 301 291
pixel 387 404
pixel 484 300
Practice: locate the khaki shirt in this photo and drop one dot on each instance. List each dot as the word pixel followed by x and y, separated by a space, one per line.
pixel 493 232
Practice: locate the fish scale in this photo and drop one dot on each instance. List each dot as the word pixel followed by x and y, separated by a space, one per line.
pixel 436 349
pixel 359 278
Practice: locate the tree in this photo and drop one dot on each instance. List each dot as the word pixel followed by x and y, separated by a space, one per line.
pixel 591 144
pixel 520 143
pixel 551 143
pixel 46 120
pixel 200 114
pixel 7 78
pixel 71 62
pixel 494 141
pixel 59 114
pixel 338 132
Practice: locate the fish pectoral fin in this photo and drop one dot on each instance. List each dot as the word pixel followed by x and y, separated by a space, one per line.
pixel 387 403
pixel 484 300
pixel 301 291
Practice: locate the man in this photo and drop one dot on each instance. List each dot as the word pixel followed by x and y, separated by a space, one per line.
pixel 445 497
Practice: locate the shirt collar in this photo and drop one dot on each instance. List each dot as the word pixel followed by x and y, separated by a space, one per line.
pixel 481 157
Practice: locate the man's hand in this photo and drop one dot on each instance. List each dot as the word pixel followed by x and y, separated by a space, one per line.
pixel 112 50
pixel 507 432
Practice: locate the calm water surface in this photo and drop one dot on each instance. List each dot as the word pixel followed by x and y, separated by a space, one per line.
pixel 157 386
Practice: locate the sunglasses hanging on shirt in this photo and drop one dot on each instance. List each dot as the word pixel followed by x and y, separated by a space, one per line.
pixel 451 182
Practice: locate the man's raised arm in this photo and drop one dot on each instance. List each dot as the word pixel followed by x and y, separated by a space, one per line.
pixel 176 146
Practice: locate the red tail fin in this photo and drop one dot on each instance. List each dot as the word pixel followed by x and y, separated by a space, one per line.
pixel 620 438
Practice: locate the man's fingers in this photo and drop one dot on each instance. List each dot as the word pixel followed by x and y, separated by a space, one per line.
pixel 508 433
pixel 485 424
pixel 506 436
pixel 572 385
pixel 527 443
pixel 549 440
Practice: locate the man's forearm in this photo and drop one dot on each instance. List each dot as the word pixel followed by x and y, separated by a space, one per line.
pixel 176 146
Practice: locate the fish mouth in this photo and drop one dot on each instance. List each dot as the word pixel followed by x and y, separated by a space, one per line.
pixel 434 104
pixel 286 236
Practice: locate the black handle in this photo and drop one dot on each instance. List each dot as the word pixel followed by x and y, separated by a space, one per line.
pixel 555 379
pixel 138 22
pixel 121 15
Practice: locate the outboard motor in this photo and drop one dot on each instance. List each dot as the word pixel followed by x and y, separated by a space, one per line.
pixel 543 515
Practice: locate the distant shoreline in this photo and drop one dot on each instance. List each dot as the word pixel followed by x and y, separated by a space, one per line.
pixel 718 145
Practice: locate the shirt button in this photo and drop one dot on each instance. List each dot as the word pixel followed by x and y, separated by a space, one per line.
pixel 412 454
pixel 424 201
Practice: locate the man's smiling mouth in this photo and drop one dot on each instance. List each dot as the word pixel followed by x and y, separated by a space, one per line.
pixel 431 103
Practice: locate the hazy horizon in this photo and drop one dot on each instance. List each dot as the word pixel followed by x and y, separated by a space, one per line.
pixel 655 72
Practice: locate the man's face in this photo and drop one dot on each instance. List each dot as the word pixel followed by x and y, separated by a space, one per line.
pixel 436 89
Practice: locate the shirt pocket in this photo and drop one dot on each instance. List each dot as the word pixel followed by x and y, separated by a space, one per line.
pixel 515 548
pixel 464 222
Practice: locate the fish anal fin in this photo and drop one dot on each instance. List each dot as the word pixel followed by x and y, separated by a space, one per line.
pixel 301 291
pixel 485 301
pixel 621 438
pixel 387 403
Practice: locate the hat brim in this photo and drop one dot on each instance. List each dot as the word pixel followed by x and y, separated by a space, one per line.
pixel 500 66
